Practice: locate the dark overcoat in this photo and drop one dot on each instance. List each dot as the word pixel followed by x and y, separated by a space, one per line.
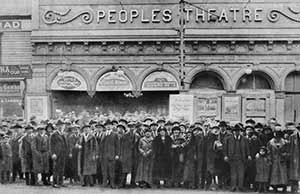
pixel 15 145
pixel 200 152
pixel 126 151
pixel 294 161
pixel 110 146
pixel 189 161
pixel 59 147
pixel 162 158
pixel 25 153
pixel 87 156
pixel 71 168
pixel 229 148
pixel 6 161
pixel 177 158
pixel 211 154
pixel 40 153
pixel 262 164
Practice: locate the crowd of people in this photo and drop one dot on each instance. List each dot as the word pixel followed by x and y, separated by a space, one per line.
pixel 151 153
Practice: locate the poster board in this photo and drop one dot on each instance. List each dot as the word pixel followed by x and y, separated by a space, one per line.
pixel 37 106
pixel 231 108
pixel 181 107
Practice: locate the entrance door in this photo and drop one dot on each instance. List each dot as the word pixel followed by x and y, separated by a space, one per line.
pixel 258 105
pixel 292 107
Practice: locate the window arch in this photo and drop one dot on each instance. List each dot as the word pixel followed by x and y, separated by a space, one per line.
pixel 255 80
pixel 207 80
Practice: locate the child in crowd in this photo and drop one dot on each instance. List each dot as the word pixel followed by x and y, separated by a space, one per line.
pixel 263 164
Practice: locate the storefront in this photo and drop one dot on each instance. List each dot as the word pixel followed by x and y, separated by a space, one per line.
pixel 240 60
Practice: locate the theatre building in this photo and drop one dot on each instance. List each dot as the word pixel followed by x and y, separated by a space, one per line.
pixel 241 60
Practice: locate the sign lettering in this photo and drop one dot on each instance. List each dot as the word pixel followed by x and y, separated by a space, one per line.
pixel 10 25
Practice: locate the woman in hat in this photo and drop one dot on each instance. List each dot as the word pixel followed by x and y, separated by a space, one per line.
pixel 162 158
pixel 145 164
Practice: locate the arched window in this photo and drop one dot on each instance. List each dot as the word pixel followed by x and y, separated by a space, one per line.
pixel 291 82
pixel 254 81
pixel 207 80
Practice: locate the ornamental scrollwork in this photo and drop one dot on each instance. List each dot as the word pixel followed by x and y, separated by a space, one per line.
pixel 54 17
pixel 275 15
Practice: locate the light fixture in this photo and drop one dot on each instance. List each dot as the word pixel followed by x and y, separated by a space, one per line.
pixel 248 70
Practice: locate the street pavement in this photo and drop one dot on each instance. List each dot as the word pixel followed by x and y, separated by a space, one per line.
pixel 22 189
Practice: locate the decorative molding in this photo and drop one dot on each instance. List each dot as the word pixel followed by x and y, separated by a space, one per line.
pixel 275 14
pixel 51 17
pixel 270 47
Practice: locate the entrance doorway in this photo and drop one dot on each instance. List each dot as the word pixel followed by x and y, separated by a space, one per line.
pixel 258 97
pixel 208 88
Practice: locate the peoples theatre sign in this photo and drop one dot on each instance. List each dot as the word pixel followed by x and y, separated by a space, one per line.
pixel 167 16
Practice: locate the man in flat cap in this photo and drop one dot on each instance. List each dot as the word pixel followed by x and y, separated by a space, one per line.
pixel 58 152
pixel 237 152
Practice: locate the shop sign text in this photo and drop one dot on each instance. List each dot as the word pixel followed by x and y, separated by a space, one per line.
pixel 10 25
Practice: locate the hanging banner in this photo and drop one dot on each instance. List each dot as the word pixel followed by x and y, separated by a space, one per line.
pixel 160 80
pixel 231 108
pixel 69 80
pixel 181 107
pixel 114 81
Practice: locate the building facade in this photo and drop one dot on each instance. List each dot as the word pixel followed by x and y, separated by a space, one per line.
pixel 241 60
pixel 15 56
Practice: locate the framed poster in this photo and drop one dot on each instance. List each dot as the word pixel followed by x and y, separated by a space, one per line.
pixel 182 107
pixel 231 108
pixel 37 106
pixel 206 107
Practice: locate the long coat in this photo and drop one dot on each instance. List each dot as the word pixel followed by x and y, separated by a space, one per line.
pixel 110 146
pixel 200 153
pixel 40 153
pixel 145 164
pixel 6 161
pixel 71 168
pixel 25 153
pixel 16 160
pixel 59 147
pixel 162 158
pixel 211 154
pixel 294 162
pixel 87 156
pixel 278 149
pixel 262 164
pixel 177 158
pixel 126 151
pixel 189 161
